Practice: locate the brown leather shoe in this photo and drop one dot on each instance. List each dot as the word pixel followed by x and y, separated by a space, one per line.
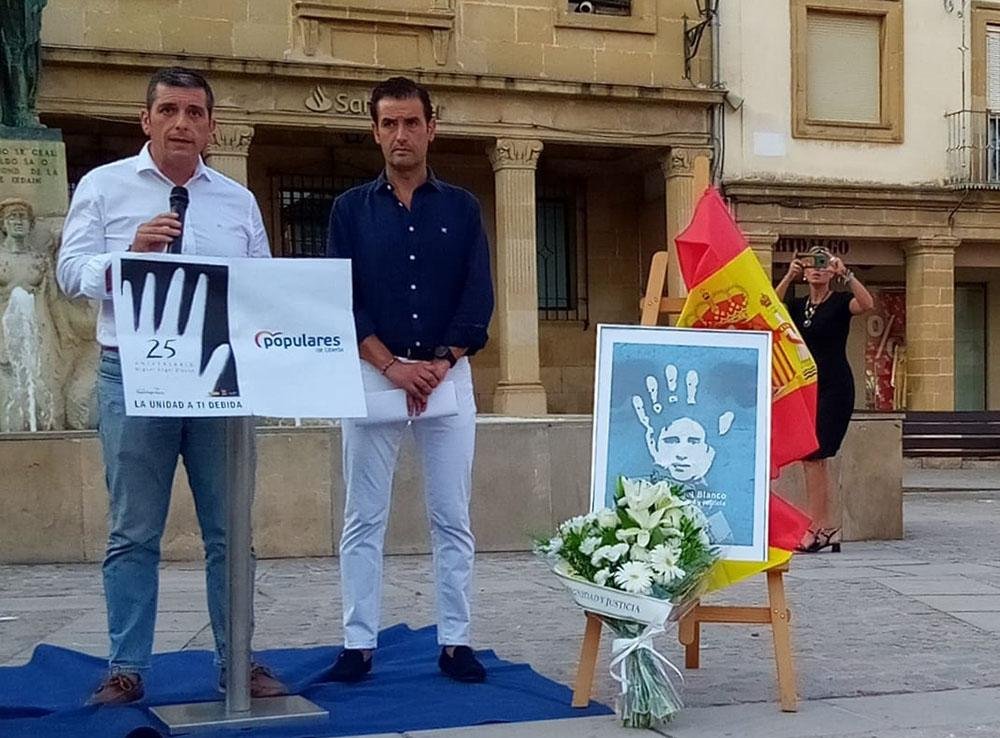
pixel 119 688
pixel 262 682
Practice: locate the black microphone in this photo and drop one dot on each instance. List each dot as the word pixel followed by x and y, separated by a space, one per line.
pixel 179 205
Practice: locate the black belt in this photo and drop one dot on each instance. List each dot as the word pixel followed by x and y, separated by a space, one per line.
pixel 418 353
pixel 112 349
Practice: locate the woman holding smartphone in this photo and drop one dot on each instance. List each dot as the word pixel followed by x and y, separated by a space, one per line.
pixel 823 317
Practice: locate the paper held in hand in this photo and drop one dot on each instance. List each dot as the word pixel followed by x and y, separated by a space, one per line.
pixel 389 406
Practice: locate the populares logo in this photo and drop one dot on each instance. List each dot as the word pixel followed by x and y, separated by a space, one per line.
pixel 278 340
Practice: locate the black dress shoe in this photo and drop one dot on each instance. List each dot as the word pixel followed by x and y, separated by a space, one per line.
pixel 350 666
pixel 463 666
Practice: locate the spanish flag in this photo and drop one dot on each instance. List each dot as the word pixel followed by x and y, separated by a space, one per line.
pixel 727 288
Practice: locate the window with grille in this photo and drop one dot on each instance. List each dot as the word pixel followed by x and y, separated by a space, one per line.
pixel 561 273
pixel 601 7
pixel 302 211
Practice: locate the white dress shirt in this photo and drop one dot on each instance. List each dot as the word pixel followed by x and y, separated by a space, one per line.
pixel 112 201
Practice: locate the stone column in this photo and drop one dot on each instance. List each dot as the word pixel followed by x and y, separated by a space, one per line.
pixel 230 150
pixel 519 391
pixel 930 323
pixel 762 245
pixel 687 176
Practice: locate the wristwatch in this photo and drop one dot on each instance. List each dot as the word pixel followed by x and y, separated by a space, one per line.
pixel 445 352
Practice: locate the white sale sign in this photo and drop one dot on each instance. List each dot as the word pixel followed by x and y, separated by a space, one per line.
pixel 206 336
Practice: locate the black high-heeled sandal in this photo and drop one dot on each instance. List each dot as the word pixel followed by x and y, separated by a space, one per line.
pixel 822 538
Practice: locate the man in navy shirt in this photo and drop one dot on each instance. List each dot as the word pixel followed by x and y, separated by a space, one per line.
pixel 423 298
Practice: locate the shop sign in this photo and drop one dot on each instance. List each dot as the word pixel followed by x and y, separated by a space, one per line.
pixel 798 245
pixel 343 103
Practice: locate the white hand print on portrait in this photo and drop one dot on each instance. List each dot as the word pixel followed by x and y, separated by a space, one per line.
pixel 681 446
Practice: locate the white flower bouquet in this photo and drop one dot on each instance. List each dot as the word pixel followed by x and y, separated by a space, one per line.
pixel 634 565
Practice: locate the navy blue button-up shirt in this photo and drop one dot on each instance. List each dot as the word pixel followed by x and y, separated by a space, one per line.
pixel 421 275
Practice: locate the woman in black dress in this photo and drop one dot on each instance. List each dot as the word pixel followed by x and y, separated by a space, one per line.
pixel 824 320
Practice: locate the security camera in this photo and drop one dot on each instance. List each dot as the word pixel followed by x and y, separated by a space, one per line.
pixel 585 6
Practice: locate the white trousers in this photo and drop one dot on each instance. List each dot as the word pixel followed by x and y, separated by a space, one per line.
pixel 446 446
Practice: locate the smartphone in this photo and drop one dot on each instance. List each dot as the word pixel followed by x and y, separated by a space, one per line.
pixel 814 260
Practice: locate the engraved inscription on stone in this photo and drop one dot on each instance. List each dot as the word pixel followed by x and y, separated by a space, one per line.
pixel 36 170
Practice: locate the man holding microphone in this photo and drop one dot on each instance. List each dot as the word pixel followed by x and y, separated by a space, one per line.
pixel 119 207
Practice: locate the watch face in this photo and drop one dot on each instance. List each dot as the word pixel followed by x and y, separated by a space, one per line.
pixel 441 352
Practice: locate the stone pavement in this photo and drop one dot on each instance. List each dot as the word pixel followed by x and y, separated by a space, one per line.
pixel 896 639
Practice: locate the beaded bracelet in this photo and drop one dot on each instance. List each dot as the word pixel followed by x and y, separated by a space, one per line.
pixel 384 369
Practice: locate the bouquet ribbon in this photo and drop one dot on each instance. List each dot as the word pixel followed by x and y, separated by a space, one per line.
pixel 621 648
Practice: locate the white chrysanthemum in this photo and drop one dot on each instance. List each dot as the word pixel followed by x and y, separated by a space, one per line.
pixel 607 518
pixel 575 525
pixel 601 577
pixel 600 555
pixel 663 556
pixel 554 545
pixel 635 577
pixel 611 554
pixel 638 553
pixel 663 560
pixel 589 545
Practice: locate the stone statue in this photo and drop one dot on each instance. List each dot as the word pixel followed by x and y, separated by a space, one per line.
pixel 45 341
pixel 20 61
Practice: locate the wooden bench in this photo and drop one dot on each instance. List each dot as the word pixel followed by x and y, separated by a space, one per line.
pixel 951 433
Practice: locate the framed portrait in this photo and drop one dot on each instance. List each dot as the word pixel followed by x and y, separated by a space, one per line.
pixel 692 407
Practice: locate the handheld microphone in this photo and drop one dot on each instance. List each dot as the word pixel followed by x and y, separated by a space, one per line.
pixel 178 204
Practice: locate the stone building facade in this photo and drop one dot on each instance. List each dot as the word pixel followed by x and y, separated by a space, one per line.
pixel 578 132
pixel 872 127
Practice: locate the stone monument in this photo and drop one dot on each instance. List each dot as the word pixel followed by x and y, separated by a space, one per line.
pixel 48 356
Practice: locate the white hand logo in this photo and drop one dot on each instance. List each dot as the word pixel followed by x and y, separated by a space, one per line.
pixel 182 348
pixel 680 447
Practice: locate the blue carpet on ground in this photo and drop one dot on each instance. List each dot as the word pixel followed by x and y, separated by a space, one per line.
pixel 45 698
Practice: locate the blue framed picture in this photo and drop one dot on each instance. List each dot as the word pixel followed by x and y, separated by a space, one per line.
pixel 692 407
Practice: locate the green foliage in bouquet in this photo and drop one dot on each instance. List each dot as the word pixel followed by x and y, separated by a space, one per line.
pixel 653 542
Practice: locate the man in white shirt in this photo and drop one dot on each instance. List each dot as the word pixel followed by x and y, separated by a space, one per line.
pixel 115 209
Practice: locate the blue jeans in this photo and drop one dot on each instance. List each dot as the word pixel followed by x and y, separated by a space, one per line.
pixel 140 457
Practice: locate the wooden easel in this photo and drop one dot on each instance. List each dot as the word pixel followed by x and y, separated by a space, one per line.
pixel 776 614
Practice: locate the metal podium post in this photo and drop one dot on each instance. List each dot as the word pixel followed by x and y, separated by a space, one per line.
pixel 239 711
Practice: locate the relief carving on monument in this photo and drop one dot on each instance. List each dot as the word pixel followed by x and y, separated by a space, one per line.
pixel 48 357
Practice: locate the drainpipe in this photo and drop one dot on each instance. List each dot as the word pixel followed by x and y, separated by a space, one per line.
pixel 718 123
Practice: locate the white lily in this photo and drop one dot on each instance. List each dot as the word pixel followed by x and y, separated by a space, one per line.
pixel 589 545
pixel 644 517
pixel 638 535
pixel 640 493
pixel 601 577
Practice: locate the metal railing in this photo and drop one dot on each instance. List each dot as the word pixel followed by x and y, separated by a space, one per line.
pixel 974 149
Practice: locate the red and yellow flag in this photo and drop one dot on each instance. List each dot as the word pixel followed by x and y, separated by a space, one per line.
pixel 728 289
